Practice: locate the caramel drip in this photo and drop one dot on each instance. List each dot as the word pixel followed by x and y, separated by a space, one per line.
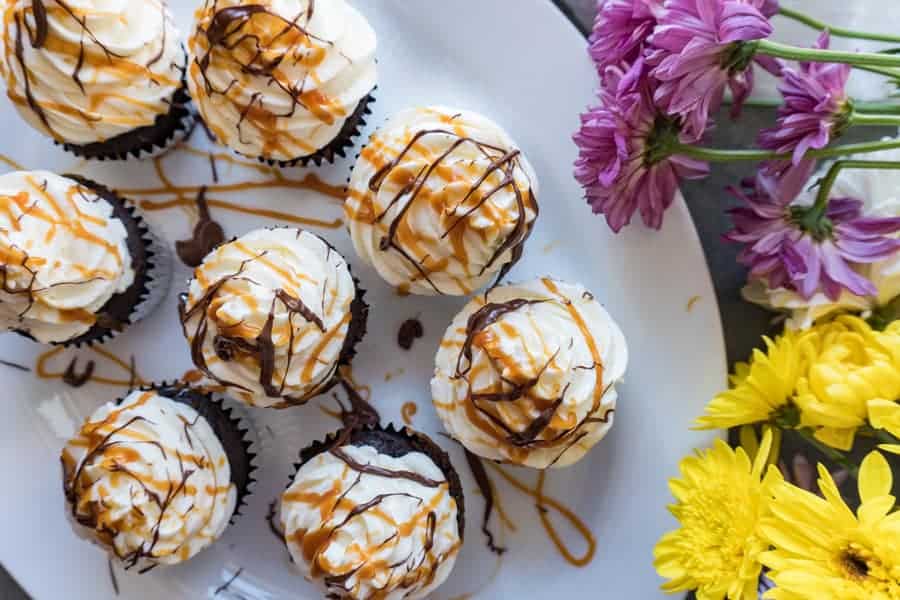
pixel 544 503
pixel 403 239
pixel 408 411
pixel 89 51
pixel 44 371
pixel 185 196
pixel 15 166
pixel 251 41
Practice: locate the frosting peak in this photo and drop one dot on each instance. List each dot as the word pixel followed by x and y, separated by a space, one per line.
pixel 149 480
pixel 279 78
pixel 362 533
pixel 63 255
pixel 528 375
pixel 268 315
pixel 86 71
pixel 441 201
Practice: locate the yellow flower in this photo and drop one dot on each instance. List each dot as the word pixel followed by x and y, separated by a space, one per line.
pixel 761 388
pixel 720 500
pixel 853 365
pixel 823 551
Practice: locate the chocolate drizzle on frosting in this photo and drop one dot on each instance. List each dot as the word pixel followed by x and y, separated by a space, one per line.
pixel 40 24
pixel 208 234
pixel 486 316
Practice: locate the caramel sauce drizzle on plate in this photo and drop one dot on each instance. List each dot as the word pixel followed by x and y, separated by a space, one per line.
pixel 44 370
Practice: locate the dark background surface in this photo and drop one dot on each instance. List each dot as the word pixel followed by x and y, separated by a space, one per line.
pixel 707 200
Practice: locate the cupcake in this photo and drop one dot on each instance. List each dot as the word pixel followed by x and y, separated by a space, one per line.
pixel 374 513
pixel 271 316
pixel 287 82
pixel 157 476
pixel 441 201
pixel 527 374
pixel 77 265
pixel 104 78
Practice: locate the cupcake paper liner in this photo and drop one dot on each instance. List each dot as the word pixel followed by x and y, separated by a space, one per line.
pixel 233 430
pixel 396 443
pixel 149 141
pixel 337 147
pixel 151 284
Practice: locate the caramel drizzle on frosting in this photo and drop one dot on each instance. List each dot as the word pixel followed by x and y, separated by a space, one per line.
pixel 88 52
pixel 252 41
pixel 538 433
pixel 107 444
pixel 261 349
pixel 503 161
pixel 19 268
pixel 44 371
pixel 314 543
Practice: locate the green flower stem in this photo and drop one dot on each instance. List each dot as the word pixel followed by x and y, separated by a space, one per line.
pixel 892 73
pixel 858 118
pixel 865 59
pixel 858 107
pixel 827 182
pixel 882 435
pixel 836 31
pixel 835 456
pixel 727 155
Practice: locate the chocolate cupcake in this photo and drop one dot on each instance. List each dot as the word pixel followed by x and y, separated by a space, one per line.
pixel 106 82
pixel 527 374
pixel 441 201
pixel 287 82
pixel 77 264
pixel 374 513
pixel 272 315
pixel 156 477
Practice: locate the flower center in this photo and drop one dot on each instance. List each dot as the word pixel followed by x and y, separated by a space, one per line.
pixel 662 138
pixel 737 57
pixel 854 565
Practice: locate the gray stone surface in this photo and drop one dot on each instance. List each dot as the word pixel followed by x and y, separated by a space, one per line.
pixel 707 200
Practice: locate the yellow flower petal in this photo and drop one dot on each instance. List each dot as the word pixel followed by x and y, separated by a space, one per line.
pixel 875 478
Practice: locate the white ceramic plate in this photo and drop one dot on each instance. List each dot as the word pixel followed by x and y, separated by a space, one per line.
pixel 523 64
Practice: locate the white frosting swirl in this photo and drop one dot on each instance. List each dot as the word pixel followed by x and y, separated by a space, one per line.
pixel 288 279
pixel 280 83
pixel 107 67
pixel 360 535
pixel 539 388
pixel 63 255
pixel 149 481
pixel 440 201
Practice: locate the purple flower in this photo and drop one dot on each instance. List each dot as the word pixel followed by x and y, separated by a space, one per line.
pixel 700 49
pixel 621 29
pixel 816 107
pixel 624 161
pixel 808 248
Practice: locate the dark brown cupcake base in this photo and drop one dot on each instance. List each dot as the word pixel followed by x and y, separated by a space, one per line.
pixel 117 313
pixel 338 146
pixel 226 427
pixel 395 443
pixel 148 139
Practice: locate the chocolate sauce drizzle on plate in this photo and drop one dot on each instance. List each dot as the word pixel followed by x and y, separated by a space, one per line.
pixel 409 332
pixel 487 492
pixel 502 160
pixel 15 366
pixel 73 378
pixel 208 234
